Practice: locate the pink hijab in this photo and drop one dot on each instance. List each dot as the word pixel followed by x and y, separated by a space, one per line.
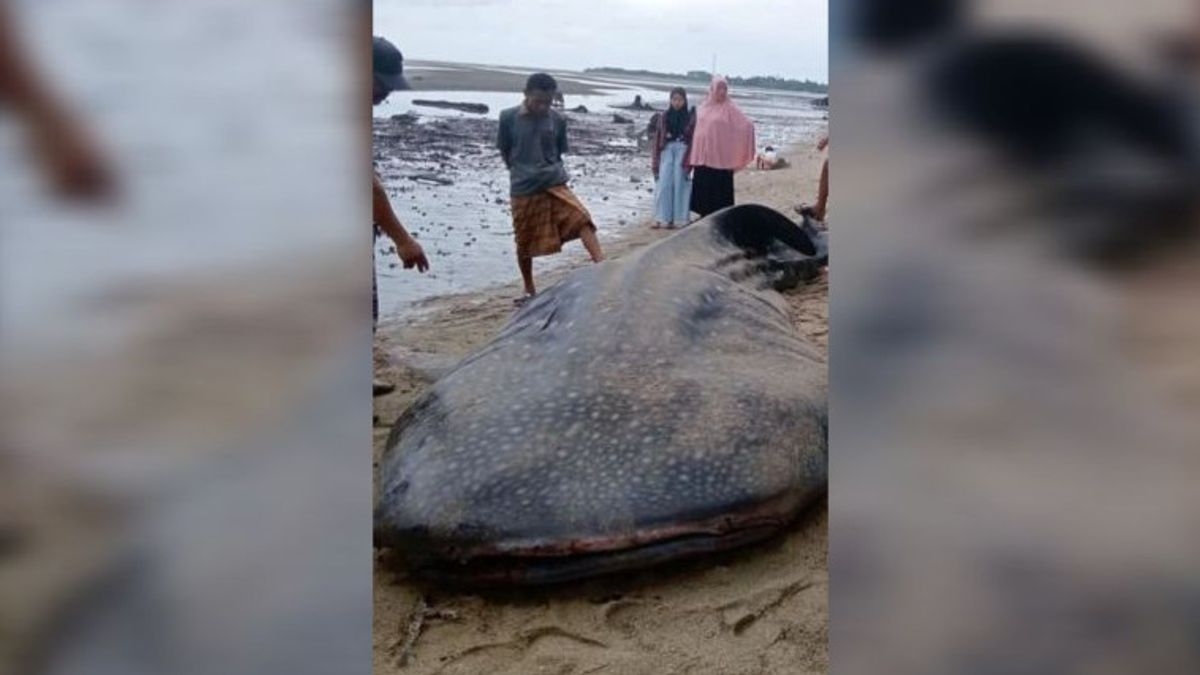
pixel 724 137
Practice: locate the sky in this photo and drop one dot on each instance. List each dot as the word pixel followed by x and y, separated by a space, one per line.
pixel 787 38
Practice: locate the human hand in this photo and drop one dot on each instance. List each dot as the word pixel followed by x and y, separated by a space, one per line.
pixel 74 165
pixel 412 255
pixel 823 143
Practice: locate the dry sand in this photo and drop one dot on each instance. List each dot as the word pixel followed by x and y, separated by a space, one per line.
pixel 762 610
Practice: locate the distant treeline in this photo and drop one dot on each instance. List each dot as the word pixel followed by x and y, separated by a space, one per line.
pixel 706 77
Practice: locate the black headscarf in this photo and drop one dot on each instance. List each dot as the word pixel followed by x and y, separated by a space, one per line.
pixel 677 120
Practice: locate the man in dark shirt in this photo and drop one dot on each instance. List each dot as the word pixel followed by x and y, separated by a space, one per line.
pixel 546 214
pixel 387 76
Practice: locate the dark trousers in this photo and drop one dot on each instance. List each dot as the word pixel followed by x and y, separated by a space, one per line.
pixel 712 189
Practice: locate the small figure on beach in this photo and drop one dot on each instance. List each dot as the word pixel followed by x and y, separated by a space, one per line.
pixel 645 137
pixel 673 131
pixel 388 76
pixel 822 189
pixel 769 160
pixel 532 139
pixel 722 144
pixel 817 210
pixel 637 104
pixel 70 157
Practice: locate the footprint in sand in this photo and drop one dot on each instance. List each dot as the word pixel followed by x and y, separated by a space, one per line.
pixel 620 615
pixel 553 648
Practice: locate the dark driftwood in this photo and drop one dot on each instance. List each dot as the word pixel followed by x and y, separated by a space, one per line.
pixel 430 178
pixel 478 108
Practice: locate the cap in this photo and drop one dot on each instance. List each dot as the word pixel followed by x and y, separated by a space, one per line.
pixel 388 65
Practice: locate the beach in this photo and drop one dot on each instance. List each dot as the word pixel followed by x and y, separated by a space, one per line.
pixel 448 185
pixel 760 610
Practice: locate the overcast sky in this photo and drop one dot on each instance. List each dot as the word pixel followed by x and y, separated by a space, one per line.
pixel 788 38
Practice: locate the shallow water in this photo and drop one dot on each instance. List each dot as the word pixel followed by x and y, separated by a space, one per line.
pixel 466 227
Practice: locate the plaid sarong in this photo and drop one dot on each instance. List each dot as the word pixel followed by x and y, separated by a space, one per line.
pixel 544 221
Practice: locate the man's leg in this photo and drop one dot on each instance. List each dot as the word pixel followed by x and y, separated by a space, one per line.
pixel 822 192
pixel 378 386
pixel 526 267
pixel 592 244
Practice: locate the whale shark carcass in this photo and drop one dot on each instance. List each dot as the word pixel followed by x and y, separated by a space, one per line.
pixel 656 407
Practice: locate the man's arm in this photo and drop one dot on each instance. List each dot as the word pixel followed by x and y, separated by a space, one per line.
pixel 70 158
pixel 504 141
pixel 562 136
pixel 407 248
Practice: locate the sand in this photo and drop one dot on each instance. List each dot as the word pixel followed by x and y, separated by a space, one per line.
pixel 761 610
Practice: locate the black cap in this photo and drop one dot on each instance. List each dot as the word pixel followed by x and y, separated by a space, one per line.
pixel 388 64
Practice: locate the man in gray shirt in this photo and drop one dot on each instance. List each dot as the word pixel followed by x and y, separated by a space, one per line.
pixel 546 214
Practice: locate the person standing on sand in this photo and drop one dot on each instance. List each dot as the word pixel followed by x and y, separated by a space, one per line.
pixel 546 214
pixel 388 76
pixel 672 144
pixel 823 188
pixel 722 144
pixel 817 210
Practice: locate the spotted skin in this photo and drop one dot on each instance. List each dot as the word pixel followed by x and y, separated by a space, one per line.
pixel 662 404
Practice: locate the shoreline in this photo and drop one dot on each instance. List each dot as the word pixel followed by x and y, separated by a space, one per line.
pixel 618 240
pixel 429 75
pixel 444 76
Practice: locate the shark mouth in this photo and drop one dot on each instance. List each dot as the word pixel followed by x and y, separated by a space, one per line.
pixel 559 561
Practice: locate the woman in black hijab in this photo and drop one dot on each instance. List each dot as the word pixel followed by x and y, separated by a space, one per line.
pixel 672 144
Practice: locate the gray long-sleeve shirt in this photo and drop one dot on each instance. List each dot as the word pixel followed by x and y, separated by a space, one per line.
pixel 532 147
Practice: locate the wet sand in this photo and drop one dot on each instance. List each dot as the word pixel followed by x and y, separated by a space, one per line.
pixel 762 610
pixel 448 185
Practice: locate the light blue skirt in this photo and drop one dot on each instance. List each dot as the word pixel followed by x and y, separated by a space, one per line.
pixel 673 194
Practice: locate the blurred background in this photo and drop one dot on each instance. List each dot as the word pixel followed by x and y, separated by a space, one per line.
pixel 184 321
pixel 184 477
pixel 1015 357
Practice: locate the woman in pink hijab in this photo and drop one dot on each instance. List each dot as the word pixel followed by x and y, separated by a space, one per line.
pixel 723 143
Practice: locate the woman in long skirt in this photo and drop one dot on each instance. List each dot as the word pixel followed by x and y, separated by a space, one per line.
pixel 722 144
pixel 672 143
